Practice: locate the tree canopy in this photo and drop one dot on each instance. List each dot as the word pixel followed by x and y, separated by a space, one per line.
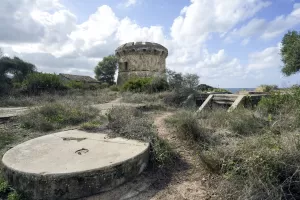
pixel 106 69
pixel 290 53
pixel 13 70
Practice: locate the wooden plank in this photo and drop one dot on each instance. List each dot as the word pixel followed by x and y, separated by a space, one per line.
pixel 236 103
pixel 206 102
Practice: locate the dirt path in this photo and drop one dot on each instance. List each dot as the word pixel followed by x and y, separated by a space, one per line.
pixel 188 181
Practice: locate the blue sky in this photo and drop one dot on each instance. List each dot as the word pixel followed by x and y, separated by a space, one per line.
pixel 228 43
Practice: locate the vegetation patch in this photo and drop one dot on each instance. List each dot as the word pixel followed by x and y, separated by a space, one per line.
pixel 131 123
pixel 57 115
pixel 91 125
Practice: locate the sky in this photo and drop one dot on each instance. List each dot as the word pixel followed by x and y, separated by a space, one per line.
pixel 228 43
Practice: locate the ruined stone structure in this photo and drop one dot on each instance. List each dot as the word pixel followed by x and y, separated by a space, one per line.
pixel 141 59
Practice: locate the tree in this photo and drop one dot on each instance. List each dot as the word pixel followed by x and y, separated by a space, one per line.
pixel 13 70
pixel 105 70
pixel 290 53
pixel 18 68
pixel 191 81
pixel 174 79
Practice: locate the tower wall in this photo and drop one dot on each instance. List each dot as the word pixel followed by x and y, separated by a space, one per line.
pixel 140 60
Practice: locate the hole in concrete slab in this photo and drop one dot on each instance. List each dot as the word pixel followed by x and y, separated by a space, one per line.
pixel 73 138
pixel 82 151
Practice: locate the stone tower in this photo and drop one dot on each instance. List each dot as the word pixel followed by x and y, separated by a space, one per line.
pixel 140 59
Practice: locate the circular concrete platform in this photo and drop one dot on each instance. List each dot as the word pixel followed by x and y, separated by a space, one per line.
pixel 73 164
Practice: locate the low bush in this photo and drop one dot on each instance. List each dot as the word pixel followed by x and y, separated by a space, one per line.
pixel 158 84
pixel 266 88
pixel 260 167
pixel 39 82
pixel 187 126
pixel 147 84
pixel 137 84
pixel 4 187
pixel 74 85
pixel 133 124
pixel 245 123
pixel 57 115
pixel 177 97
pixel 114 88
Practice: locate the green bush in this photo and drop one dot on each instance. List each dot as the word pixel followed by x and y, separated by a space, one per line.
pixel 38 82
pixel 4 187
pixel 137 84
pixel 133 124
pixel 75 84
pixel 114 88
pixel 57 115
pixel 266 88
pixel 277 100
pixel 14 196
pixel 157 84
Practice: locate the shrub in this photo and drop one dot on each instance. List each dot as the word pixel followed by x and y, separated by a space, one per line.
pixel 277 100
pixel 266 88
pixel 157 84
pixel 260 167
pixel 114 88
pixel 177 97
pixel 38 82
pixel 129 97
pixel 75 84
pixel 4 187
pixel 57 115
pixel 137 84
pixel 133 124
pixel 187 126
pixel 244 122
pixel 14 196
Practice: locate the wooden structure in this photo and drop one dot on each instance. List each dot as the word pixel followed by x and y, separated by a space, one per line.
pixel 230 101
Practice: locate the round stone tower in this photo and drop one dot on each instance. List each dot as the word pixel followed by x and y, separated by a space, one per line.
pixel 140 59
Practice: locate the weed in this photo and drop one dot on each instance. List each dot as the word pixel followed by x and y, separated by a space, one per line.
pixel 57 115
pixel 91 125
pixel 133 124
pixel 187 126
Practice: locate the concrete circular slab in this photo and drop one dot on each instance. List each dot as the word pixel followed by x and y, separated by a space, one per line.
pixel 73 164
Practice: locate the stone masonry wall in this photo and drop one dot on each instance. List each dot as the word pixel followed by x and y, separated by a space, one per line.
pixel 145 61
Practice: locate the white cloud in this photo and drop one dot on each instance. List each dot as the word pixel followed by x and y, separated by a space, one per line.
pixel 268 58
pixel 63 45
pixel 130 3
pixel 267 30
pixel 203 17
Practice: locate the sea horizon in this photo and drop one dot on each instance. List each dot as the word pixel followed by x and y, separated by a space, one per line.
pixel 235 90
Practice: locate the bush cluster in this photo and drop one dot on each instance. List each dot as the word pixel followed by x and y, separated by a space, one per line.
pixel 254 157
pixel 38 82
pixel 147 84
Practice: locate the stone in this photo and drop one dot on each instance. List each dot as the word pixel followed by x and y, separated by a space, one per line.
pixel 140 59
pixel 73 164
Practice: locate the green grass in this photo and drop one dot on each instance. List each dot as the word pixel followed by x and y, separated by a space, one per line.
pixel 91 125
